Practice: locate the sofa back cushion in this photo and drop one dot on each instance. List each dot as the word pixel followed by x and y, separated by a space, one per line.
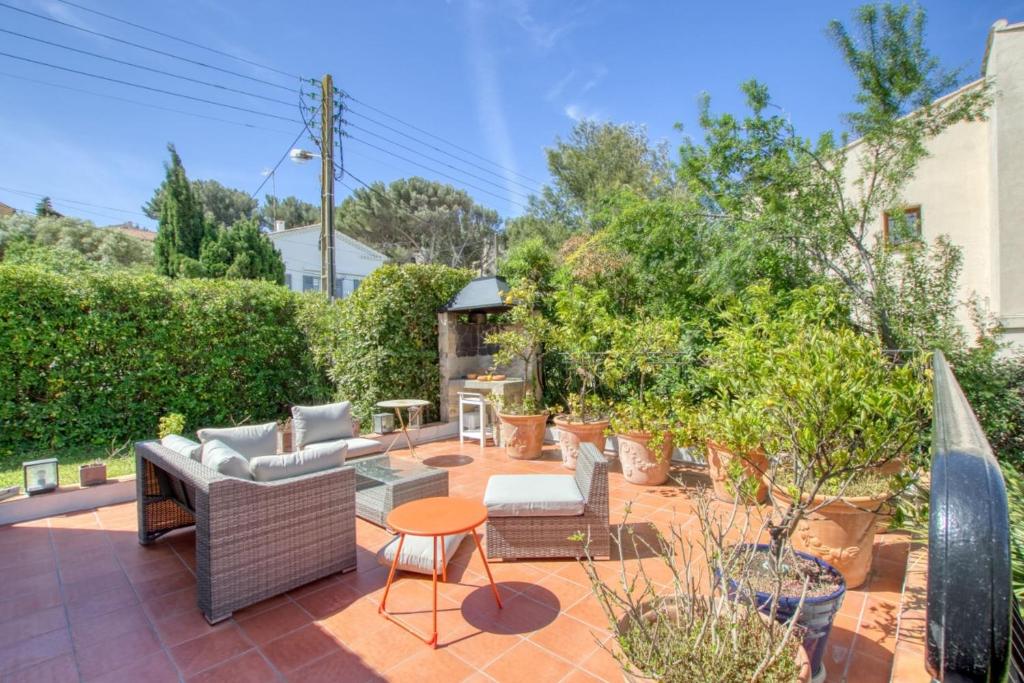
pixel 249 440
pixel 220 457
pixel 313 424
pixel 180 444
pixel 303 461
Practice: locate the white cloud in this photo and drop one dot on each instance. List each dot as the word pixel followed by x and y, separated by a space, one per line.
pixel 489 105
pixel 556 90
pixel 577 113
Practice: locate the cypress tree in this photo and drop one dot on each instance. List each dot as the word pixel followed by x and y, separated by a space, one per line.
pixel 182 226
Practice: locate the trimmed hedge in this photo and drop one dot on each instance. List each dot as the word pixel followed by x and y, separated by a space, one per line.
pixel 381 342
pixel 96 357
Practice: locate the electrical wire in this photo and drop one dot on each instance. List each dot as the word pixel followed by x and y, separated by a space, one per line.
pixel 63 200
pixel 148 68
pixel 279 162
pixel 144 47
pixel 445 175
pixel 147 87
pixel 435 160
pixel 141 103
pixel 176 38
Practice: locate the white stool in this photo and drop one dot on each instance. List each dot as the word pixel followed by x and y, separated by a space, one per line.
pixel 479 407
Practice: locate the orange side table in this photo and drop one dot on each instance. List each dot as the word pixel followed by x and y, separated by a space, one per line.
pixel 435 517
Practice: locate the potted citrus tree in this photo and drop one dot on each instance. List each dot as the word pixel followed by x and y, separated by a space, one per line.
pixel 737 462
pixel 522 338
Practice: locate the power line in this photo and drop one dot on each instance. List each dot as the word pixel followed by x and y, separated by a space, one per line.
pixel 144 47
pixel 434 159
pixel 441 139
pixel 141 103
pixel 438 149
pixel 279 161
pixel 147 87
pixel 180 40
pixel 63 200
pixel 149 68
pixel 450 177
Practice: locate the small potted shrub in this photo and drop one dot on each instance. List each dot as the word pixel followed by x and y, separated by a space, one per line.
pixel 586 420
pixel 679 630
pixel 642 427
pixel 522 338
pixel 736 459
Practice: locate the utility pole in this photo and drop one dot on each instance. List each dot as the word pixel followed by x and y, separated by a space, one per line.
pixel 327 188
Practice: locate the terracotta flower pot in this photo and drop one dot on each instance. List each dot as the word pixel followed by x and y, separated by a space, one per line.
pixel 755 464
pixel 841 533
pixel 573 434
pixel 641 464
pixel 802 661
pixel 92 474
pixel 522 435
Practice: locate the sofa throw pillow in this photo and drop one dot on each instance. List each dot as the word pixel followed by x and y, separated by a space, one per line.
pixel 417 553
pixel 249 440
pixel 304 461
pixel 180 444
pixel 220 457
pixel 312 424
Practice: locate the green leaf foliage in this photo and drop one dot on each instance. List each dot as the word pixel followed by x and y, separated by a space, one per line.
pixel 242 252
pixel 96 357
pixel 381 342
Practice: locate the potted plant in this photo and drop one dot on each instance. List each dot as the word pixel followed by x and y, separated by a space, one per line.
pixel 522 338
pixel 92 474
pixel 642 427
pixel 586 419
pixel 736 458
pixel 679 629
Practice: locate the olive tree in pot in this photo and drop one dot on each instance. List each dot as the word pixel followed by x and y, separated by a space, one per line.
pixel 690 627
pixel 523 338
pixel 586 419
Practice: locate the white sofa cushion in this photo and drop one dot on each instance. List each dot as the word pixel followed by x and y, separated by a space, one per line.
pixel 187 447
pixel 249 440
pixel 417 553
pixel 533 495
pixel 313 424
pixel 312 458
pixel 222 458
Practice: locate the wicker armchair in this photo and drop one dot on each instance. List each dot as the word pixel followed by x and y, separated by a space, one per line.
pixel 519 537
pixel 254 540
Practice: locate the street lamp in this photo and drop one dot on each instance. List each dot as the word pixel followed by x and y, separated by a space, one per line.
pixel 327 274
pixel 301 156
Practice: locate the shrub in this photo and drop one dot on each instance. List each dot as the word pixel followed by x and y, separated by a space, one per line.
pixel 381 342
pixel 95 357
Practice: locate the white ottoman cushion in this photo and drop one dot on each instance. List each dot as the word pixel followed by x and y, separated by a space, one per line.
pixel 533 495
pixel 417 553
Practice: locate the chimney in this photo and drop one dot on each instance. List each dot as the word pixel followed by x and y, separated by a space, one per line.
pixel 278 226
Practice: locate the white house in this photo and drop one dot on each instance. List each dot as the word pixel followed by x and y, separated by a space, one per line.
pixel 970 187
pixel 300 251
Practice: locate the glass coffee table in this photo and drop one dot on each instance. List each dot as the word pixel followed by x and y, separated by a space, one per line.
pixel 383 482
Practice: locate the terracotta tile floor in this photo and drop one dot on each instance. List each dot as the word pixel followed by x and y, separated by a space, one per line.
pixel 81 600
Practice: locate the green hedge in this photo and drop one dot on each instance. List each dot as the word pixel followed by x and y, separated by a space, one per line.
pixel 381 342
pixel 94 357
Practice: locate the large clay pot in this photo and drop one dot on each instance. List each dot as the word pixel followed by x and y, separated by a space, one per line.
pixel 572 434
pixel 841 533
pixel 754 464
pixel 523 435
pixel 642 464
pixel 802 659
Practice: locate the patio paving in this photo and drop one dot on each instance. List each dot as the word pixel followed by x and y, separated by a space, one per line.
pixel 81 600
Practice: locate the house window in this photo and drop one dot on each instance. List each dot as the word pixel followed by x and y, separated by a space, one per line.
pixel 339 287
pixel 310 283
pixel 902 227
pixel 355 284
pixel 288 280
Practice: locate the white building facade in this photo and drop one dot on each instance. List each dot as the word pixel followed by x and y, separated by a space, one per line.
pixel 300 251
pixel 970 188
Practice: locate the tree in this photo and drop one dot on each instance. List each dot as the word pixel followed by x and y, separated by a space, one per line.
pixel 420 220
pixel 819 200
pixel 222 206
pixel 60 236
pixel 44 208
pixel 292 210
pixel 242 252
pixel 182 227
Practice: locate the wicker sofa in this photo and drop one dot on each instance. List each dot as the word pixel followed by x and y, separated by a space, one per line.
pixel 254 540
pixel 514 535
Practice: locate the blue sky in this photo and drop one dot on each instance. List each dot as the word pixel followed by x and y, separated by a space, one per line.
pixel 500 78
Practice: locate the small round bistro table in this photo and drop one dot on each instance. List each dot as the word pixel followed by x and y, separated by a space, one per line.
pixel 410 404
pixel 435 517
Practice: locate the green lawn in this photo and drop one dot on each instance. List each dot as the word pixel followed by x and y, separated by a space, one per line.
pixel 120 461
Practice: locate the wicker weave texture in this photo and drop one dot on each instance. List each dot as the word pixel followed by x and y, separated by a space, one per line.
pixel 540 537
pixel 254 540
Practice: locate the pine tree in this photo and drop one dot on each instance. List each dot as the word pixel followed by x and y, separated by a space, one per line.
pixel 182 226
pixel 44 209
